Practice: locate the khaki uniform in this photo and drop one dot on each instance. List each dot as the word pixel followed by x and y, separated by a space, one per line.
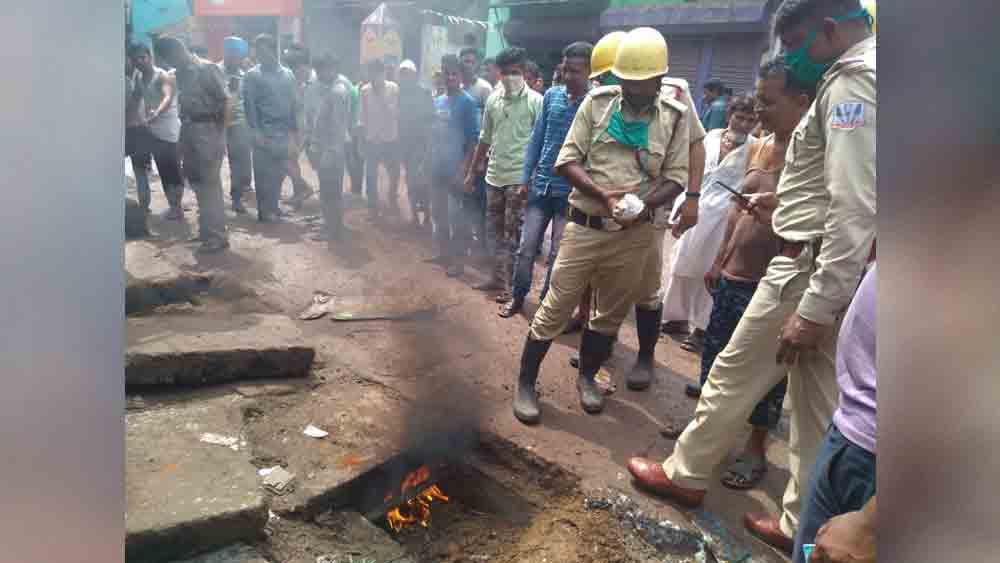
pixel 652 275
pixel 610 261
pixel 827 200
pixel 202 98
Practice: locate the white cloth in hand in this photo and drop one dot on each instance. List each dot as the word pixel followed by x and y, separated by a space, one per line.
pixel 628 207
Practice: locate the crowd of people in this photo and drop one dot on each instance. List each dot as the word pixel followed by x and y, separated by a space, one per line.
pixel 770 194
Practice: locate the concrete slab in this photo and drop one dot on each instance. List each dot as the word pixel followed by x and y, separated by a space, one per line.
pixel 334 537
pixel 187 350
pixel 185 496
pixel 239 553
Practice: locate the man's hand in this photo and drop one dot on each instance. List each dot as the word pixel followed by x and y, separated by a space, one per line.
pixel 688 217
pixel 612 197
pixel 712 278
pixel 762 206
pixel 848 538
pixel 798 335
pixel 522 190
pixel 469 182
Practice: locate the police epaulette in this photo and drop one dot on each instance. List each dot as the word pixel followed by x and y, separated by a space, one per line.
pixel 605 91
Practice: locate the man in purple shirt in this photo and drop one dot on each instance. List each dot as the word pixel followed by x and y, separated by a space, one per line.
pixel 839 510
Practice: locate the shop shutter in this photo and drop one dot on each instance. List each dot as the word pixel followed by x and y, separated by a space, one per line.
pixel 735 60
pixel 685 55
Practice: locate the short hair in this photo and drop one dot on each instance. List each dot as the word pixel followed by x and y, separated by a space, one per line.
pixel 532 68
pixel 793 12
pixel 793 86
pixel 488 61
pixel 450 63
pixel 578 50
pixel 715 84
pixel 512 56
pixel 741 102
pixel 325 61
pixel 265 40
pixel 168 46
pixel 136 49
pixel 468 51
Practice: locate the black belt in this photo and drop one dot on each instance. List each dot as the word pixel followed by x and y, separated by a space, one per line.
pixel 203 118
pixel 602 223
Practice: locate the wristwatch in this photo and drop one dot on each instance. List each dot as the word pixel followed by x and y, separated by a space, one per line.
pixel 692 194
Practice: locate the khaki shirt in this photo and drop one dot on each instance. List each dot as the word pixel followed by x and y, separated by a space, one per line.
pixel 615 166
pixel 827 189
pixel 678 89
pixel 507 125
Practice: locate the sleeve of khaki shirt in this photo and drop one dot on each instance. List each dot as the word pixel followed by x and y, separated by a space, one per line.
pixel 577 144
pixel 678 150
pixel 850 219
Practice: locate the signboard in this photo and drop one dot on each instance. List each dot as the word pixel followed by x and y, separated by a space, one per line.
pixel 248 7
pixel 434 45
pixel 380 37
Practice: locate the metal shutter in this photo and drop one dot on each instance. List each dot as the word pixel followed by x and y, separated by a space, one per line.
pixel 735 60
pixel 685 56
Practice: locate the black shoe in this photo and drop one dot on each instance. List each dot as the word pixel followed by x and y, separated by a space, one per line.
pixel 526 407
pixel 648 327
pixel 675 327
pixel 512 307
pixel 238 208
pixel 213 246
pixel 695 342
pixel 595 349
pixel 692 390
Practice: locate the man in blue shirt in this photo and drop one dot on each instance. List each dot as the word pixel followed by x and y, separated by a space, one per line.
pixel 454 134
pixel 271 102
pixel 714 105
pixel 548 193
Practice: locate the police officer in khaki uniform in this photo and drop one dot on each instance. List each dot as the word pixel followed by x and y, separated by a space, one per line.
pixel 649 309
pixel 624 140
pixel 824 211
pixel 204 108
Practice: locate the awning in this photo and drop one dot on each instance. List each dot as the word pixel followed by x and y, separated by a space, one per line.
pixel 248 7
pixel 739 17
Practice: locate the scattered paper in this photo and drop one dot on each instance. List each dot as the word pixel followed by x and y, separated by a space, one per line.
pixel 314 432
pixel 220 440
pixel 279 481
pixel 267 470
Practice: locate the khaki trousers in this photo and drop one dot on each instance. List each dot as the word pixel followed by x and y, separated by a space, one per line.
pixel 651 296
pixel 745 372
pixel 611 262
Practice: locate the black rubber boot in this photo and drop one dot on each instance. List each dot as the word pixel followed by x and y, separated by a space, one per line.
pixel 526 407
pixel 648 327
pixel 595 349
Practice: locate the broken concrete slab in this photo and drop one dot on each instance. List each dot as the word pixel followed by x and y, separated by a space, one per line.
pixel 185 496
pixel 239 553
pixel 200 351
pixel 338 536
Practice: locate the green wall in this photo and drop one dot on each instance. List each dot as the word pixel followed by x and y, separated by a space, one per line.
pixel 627 3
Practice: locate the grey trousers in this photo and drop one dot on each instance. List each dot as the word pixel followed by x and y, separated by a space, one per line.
pixel 240 160
pixel 202 147
pixel 270 166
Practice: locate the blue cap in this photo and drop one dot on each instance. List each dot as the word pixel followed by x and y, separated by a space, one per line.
pixel 235 47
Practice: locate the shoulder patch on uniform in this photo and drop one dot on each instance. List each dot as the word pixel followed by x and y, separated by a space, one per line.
pixel 848 116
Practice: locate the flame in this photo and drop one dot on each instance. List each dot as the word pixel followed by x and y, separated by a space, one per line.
pixel 416 511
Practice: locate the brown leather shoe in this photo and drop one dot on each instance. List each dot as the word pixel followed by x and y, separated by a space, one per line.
pixel 767 529
pixel 649 476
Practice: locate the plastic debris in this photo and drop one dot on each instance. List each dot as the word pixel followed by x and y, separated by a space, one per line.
pixel 220 440
pixel 322 304
pixel 267 470
pixel 604 383
pixel 314 432
pixel 279 481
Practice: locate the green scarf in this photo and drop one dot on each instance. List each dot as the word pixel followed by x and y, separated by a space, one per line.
pixel 634 134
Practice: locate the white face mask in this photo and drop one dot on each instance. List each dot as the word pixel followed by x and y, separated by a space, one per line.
pixel 513 83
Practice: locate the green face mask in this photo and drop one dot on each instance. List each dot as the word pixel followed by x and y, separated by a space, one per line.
pixel 803 67
pixel 634 134
pixel 610 79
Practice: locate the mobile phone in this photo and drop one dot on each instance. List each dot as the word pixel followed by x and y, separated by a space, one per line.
pixel 743 198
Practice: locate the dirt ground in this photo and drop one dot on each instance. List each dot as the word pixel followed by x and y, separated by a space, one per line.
pixel 458 363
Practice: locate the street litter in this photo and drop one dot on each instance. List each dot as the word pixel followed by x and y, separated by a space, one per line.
pixel 314 432
pixel 279 481
pixel 604 382
pixel 267 470
pixel 219 440
pixel 321 305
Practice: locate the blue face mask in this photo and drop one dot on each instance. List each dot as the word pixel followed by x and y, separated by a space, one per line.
pixel 803 67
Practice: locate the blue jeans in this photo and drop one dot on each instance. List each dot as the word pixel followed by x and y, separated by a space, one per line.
pixel 843 480
pixel 537 214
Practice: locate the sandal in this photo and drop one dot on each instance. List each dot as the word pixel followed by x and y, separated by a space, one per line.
pixel 695 342
pixel 744 473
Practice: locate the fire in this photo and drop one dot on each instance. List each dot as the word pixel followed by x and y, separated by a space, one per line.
pixel 416 511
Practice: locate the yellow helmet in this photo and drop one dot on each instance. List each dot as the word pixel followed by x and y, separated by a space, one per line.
pixel 602 58
pixel 870 6
pixel 642 55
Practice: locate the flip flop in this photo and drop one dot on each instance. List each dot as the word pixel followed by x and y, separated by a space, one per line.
pixel 744 473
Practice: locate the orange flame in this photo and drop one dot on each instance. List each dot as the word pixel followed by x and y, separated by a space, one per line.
pixel 416 511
